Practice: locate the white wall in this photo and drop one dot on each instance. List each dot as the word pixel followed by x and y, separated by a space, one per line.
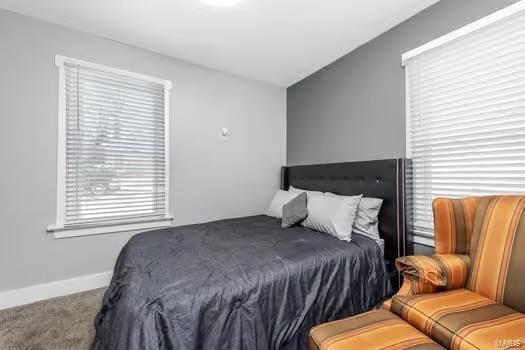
pixel 210 178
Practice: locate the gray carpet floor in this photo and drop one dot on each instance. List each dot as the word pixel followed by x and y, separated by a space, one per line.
pixel 54 324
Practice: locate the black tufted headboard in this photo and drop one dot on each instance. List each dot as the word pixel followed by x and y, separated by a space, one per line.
pixel 377 178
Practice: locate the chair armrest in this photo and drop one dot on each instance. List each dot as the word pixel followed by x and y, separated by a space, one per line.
pixel 443 271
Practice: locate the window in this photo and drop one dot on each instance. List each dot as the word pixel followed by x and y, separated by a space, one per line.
pixel 112 150
pixel 466 114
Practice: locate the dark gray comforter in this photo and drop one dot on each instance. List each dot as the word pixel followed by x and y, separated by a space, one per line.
pixel 235 284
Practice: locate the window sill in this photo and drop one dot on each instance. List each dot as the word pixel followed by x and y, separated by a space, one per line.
pixel 66 232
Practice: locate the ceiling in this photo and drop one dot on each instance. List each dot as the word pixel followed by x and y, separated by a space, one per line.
pixel 276 41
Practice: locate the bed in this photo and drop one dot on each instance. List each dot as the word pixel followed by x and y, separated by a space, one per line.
pixel 246 283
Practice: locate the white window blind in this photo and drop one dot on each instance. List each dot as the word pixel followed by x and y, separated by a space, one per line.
pixel 466 115
pixel 114 158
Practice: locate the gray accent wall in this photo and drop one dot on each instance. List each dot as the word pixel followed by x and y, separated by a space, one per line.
pixel 354 109
pixel 210 178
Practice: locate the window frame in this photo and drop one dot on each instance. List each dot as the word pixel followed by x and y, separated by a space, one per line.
pixel 456 34
pixel 60 230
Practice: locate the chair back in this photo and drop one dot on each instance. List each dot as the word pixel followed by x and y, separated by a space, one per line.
pixel 453 224
pixel 497 250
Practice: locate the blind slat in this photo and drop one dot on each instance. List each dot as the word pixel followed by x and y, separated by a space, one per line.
pixel 111 219
pixel 121 199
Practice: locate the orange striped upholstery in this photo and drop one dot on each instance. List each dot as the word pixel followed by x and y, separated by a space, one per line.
pixel 461 319
pixel 387 304
pixel 431 274
pixel 470 295
pixel 453 222
pixel 414 287
pixel 444 271
pixel 498 250
pixel 377 329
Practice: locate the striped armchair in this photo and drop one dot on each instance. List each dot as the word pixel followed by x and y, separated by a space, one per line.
pixel 471 293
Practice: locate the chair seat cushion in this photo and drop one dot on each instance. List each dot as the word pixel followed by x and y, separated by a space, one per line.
pixel 377 329
pixel 462 319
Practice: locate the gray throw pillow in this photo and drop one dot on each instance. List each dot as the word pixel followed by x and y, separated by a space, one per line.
pixel 294 211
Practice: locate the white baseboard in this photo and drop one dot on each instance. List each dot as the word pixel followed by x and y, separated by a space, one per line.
pixel 39 292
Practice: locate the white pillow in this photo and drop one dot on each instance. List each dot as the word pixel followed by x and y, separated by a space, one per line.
pixel 279 200
pixel 308 193
pixel 332 214
pixel 366 220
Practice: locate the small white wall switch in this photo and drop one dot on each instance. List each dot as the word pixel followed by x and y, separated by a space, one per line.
pixel 224 133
